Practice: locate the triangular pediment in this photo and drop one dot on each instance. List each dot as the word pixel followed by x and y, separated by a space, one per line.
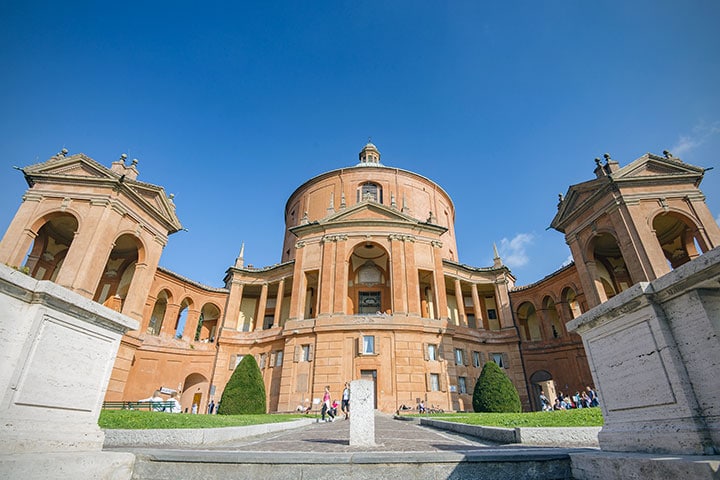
pixel 78 165
pixel 650 165
pixel 369 211
pixel 369 214
pixel 85 171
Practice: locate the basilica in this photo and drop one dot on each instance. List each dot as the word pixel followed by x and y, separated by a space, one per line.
pixel 370 284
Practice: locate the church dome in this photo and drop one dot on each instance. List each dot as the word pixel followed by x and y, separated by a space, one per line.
pixel 369 155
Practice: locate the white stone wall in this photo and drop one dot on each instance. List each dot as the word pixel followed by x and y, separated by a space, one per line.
pixel 654 353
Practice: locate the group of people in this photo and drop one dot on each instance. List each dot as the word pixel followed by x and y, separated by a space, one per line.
pixel 160 404
pixel 330 407
pixel 585 399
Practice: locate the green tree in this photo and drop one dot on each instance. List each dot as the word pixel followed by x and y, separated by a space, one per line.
pixel 245 391
pixel 494 392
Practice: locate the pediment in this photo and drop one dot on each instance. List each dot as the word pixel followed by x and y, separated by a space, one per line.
pixel 650 165
pixel 78 165
pixel 85 171
pixel 369 211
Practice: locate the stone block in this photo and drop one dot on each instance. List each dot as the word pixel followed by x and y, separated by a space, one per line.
pixel 362 413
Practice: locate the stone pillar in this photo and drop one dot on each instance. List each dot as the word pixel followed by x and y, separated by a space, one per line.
pixel 262 305
pixel 462 318
pixel 340 267
pixel 191 324
pixel 478 307
pixel 362 418
pixel 279 302
pixel 397 272
pixel 19 236
pixel 232 306
pixel 297 299
pixel 502 302
pixel 58 349
pixel 327 274
pixel 171 316
pixel 411 277
pixel 439 277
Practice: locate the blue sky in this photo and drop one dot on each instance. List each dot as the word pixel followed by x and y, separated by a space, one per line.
pixel 232 106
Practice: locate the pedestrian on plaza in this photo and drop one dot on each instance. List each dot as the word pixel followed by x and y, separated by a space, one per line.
pixel 211 407
pixel 326 407
pixel 345 403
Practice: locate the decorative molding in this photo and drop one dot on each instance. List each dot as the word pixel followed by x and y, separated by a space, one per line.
pixel 335 238
pixel 436 243
pixel 300 244
pixel 401 237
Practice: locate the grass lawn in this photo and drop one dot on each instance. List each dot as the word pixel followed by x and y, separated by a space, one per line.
pixel 138 420
pixel 582 417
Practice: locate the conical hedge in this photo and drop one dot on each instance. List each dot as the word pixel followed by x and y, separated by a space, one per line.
pixel 494 392
pixel 245 391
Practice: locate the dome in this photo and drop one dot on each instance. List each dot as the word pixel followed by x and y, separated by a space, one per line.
pixel 369 155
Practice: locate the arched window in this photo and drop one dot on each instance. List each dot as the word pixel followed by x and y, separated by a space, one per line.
pixel 370 191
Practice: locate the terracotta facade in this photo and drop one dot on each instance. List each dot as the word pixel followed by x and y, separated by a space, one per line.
pixel 369 284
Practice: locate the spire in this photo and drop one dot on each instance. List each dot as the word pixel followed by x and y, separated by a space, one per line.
pixel 240 261
pixel 497 261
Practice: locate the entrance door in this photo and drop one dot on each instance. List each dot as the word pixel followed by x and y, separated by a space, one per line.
pixel 196 403
pixel 372 376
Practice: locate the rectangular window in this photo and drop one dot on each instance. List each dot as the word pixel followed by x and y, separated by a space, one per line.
pixel 462 384
pixel 368 345
pixel 268 321
pixel 434 382
pixel 369 302
pixel 262 360
pixel 278 358
pixel 499 358
pixel 432 352
pixel 305 353
pixel 476 359
pixel 492 314
pixel 471 321
pixel 459 360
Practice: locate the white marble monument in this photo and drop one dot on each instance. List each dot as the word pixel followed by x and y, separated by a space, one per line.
pixel 57 351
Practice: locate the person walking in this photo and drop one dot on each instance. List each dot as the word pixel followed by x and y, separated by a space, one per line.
pixel 345 403
pixel 326 409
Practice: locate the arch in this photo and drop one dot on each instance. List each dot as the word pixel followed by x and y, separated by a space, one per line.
pixel 194 387
pixel 55 233
pixel 158 312
pixel 369 279
pixel 528 322
pixel 119 270
pixel 542 382
pixel 553 317
pixel 182 316
pixel 678 237
pixel 370 191
pixel 611 271
pixel 206 330
pixel 569 296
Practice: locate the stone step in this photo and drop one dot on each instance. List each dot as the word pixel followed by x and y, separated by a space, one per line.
pixel 491 464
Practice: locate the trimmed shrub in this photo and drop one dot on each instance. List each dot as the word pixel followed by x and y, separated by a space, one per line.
pixel 245 391
pixel 494 392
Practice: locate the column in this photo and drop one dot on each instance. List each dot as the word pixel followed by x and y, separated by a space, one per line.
pixel 278 302
pixel 262 304
pixel 327 274
pixel 462 319
pixel 478 307
pixel 439 277
pixel 168 323
pixel 232 306
pixel 397 274
pixel 341 274
pixel 411 277
pixel 19 236
pixel 297 297
pixel 191 324
pixel 502 302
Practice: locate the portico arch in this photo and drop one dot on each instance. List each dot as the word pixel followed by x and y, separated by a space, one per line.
pixel 119 270
pixel 55 233
pixel 678 237
pixel 369 279
pixel 610 275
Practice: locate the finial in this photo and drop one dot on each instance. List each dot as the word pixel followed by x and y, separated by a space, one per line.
pixel 123 157
pixel 606 156
pixel 171 196
pixel 240 260
pixel 560 197
pixel 64 151
pixel 667 154
pixel 134 161
pixel 497 261
pixel 597 161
